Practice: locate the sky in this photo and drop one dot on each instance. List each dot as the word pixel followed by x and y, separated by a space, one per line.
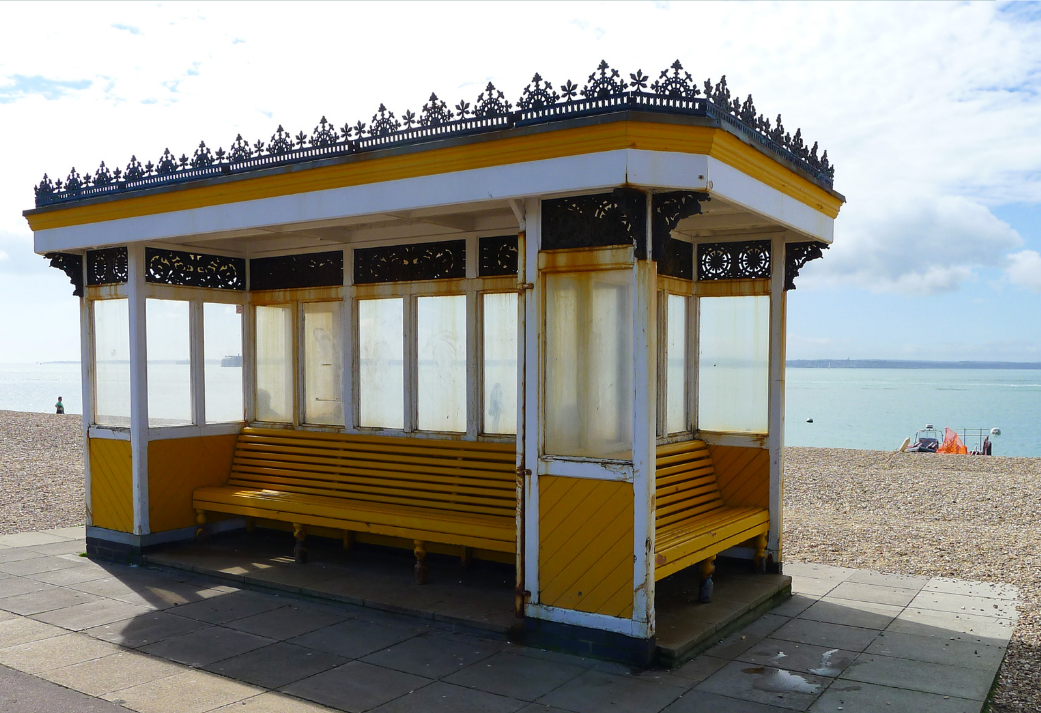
pixel 931 113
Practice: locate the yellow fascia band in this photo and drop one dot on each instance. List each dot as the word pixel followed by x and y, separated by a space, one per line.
pixel 482 154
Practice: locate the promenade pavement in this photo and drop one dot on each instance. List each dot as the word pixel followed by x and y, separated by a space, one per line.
pixel 79 635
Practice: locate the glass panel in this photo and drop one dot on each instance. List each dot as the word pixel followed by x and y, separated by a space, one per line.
pixel 441 338
pixel 381 363
pixel 323 359
pixel 500 363
pixel 676 365
pixel 168 346
pixel 589 364
pixel 733 364
pixel 275 363
pixel 112 362
pixel 222 359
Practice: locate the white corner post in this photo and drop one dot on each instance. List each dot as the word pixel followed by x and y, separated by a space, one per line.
pixel 530 381
pixel 518 211
pixel 86 388
pixel 645 398
pixel 775 439
pixel 138 385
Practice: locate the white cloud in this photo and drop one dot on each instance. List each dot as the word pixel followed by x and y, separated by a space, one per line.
pixel 3 256
pixel 1024 269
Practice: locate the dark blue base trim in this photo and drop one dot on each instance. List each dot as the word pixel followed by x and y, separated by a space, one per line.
pixel 583 641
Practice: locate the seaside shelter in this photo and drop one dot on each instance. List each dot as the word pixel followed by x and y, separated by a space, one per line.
pixel 548 333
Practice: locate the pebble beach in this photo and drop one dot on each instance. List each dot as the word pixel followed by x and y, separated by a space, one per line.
pixel 967 517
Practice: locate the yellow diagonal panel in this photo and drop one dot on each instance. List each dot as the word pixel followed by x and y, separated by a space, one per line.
pixel 586 555
pixel 111 484
pixel 176 467
pixel 743 475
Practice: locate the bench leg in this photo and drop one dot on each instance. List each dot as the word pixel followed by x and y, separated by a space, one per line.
pixel 465 559
pixel 200 532
pixel 760 554
pixel 708 566
pixel 348 540
pixel 251 525
pixel 300 549
pixel 421 565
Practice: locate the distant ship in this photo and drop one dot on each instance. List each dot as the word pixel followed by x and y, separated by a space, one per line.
pixel 232 360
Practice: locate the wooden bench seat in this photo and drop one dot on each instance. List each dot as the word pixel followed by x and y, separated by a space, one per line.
pixel 692 522
pixel 451 492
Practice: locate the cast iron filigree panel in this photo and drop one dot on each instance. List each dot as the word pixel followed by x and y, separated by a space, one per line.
pixel 171 267
pixel 72 265
pixel 734 261
pixel 405 263
pixel 677 259
pixel 106 267
pixel 292 271
pixel 497 256
pixel 615 218
pixel 667 210
pixel 798 254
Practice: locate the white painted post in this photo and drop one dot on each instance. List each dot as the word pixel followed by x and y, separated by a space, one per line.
pixel 197 361
pixel 532 422
pixel 138 385
pixel 775 439
pixel 645 381
pixel 474 389
pixel 249 366
pixel 347 329
pixel 87 388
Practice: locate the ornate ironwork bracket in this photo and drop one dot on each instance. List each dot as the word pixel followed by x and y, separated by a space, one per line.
pixel 668 209
pixel 72 265
pixel 171 267
pixel 600 220
pixel 108 266
pixel 497 256
pixel 734 261
pixel 796 255
pixel 293 271
pixel 405 263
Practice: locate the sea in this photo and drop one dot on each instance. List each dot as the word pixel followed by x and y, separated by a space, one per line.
pixel 863 408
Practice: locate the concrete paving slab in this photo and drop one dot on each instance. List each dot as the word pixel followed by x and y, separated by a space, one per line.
pixel 598 691
pixel 899 581
pixel 355 638
pixel 521 677
pixel 940 679
pixel 91 614
pixel 145 629
pixel 188 692
pixel 990 590
pixel 958 603
pixel 68 547
pixel 795 605
pixel 700 667
pixel 15 554
pixel 229 607
pixel 442 697
pixel 832 636
pixel 29 539
pixel 876 593
pixel 70 575
pixel 276 665
pixel 70 533
pixel 812 586
pixel 966 627
pixel 112 673
pixel 271 702
pixel 205 646
pixel 356 686
pixel 933 649
pixel 21 692
pixel 289 621
pixel 705 702
pixel 869 698
pixel 20 630
pixel 765 685
pixel 805 658
pixel 818 571
pixel 866 615
pixel 44 600
pixel 14 586
pixel 37 564
pixel 54 652
pixel 435 654
pixel 734 645
pixel 540 708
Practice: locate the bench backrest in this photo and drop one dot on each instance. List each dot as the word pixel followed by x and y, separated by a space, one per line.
pixel 685 483
pixel 457 476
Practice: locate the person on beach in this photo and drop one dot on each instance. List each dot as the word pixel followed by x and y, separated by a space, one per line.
pixel 59 407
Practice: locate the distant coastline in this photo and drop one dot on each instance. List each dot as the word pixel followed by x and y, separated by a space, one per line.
pixel 907 364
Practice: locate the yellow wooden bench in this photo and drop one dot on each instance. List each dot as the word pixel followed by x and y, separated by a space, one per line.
pixel 692 522
pixel 450 492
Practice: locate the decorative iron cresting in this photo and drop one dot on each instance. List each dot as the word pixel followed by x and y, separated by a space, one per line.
pixel 497 256
pixel 172 267
pixel 405 263
pixel 72 265
pixel 605 91
pixel 107 266
pixel 734 261
pixel 292 271
pixel 677 259
pixel 603 219
pixel 796 255
pixel 667 210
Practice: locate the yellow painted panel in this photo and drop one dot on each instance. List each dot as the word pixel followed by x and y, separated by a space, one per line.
pixel 423 161
pixel 176 467
pixel 586 545
pixel 111 485
pixel 743 475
